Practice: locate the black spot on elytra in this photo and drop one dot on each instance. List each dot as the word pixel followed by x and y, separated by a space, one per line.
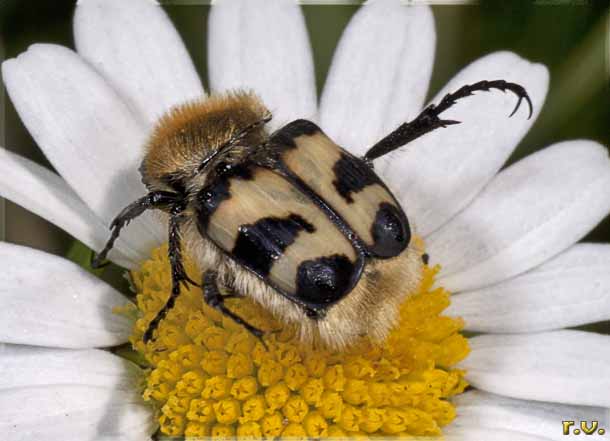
pixel 287 134
pixel 302 222
pixel 210 197
pixel 260 244
pixel 390 231
pixel 325 280
pixel 351 176
pixel 425 258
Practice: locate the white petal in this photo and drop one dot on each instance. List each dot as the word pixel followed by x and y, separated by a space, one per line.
pixel 379 75
pixel 46 194
pixel 72 413
pixel 526 215
pixel 128 436
pixel 136 47
pixel 86 131
pixel 457 433
pixel 570 290
pixel 263 46
pixel 481 409
pixel 24 366
pixel 562 366
pixel 125 437
pixel 439 174
pixel 49 301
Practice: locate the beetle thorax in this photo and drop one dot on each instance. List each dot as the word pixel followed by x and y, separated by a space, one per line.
pixel 191 133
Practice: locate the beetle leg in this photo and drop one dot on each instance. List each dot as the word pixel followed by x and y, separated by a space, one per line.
pixel 154 199
pixel 178 273
pixel 232 296
pixel 428 120
pixel 213 297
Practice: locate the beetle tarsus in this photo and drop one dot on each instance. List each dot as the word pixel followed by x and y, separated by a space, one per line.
pixel 154 199
pixel 451 98
pixel 97 261
pixel 428 120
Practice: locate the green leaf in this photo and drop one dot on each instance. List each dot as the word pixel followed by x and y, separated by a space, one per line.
pixel 112 274
pixel 80 254
pixel 127 352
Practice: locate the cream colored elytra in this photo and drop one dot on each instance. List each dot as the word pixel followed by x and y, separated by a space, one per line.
pixel 190 133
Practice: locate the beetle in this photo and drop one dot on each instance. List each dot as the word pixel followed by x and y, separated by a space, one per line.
pixel 289 219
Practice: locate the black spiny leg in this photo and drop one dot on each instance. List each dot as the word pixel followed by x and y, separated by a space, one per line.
pixel 178 273
pixel 154 199
pixel 428 120
pixel 215 299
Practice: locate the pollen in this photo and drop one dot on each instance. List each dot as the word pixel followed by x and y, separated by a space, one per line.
pixel 209 377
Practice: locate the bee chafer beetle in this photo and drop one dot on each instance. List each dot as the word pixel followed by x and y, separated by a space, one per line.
pixel 289 219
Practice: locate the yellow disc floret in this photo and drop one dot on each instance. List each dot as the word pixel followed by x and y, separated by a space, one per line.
pixel 209 377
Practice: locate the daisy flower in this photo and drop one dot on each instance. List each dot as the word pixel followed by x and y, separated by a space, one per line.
pixel 504 242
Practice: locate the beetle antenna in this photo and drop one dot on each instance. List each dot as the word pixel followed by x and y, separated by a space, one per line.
pixel 428 120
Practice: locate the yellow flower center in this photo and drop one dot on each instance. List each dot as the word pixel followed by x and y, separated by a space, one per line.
pixel 210 377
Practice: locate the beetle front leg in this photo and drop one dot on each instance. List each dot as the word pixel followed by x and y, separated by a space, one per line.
pixel 179 275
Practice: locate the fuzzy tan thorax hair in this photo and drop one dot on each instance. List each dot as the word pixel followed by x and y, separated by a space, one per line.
pixel 190 132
